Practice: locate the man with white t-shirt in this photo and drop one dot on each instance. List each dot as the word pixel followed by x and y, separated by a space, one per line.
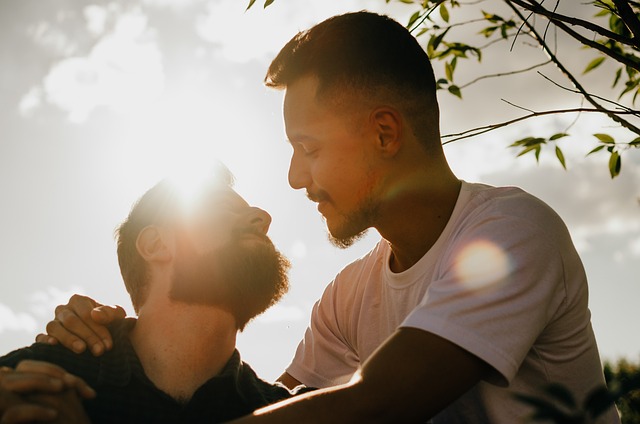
pixel 473 294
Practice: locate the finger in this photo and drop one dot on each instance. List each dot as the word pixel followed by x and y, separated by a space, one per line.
pixel 19 382
pixel 44 338
pixel 64 337
pixel 27 413
pixel 41 367
pixel 69 380
pixel 105 315
pixel 77 325
pixel 79 385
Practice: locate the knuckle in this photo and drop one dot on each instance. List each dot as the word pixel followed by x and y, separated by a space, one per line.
pixel 52 326
pixel 67 318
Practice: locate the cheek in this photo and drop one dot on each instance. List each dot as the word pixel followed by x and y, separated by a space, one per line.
pixel 208 237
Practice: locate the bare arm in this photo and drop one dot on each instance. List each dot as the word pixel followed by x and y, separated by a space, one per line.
pixel 288 381
pixel 410 378
pixel 81 323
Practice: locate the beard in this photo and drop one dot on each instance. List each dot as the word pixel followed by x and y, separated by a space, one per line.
pixel 244 278
pixel 355 225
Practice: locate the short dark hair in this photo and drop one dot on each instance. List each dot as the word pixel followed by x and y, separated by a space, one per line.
pixel 369 53
pixel 158 205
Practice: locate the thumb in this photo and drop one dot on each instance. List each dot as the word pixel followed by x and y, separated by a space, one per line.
pixel 105 314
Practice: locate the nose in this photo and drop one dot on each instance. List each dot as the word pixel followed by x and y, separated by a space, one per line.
pixel 256 219
pixel 298 173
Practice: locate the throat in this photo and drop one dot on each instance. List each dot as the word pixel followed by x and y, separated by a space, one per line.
pixel 180 355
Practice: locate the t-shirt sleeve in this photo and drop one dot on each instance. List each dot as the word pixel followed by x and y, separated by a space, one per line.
pixel 324 358
pixel 498 285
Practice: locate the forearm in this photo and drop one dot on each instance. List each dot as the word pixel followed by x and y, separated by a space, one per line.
pixel 412 377
pixel 342 404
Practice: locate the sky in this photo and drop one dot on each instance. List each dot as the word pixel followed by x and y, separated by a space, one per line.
pixel 98 102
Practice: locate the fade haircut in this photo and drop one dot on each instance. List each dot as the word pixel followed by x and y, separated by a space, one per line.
pixel 366 54
pixel 159 205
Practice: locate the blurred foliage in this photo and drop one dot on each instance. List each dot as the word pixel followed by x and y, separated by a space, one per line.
pixel 610 36
pixel 623 378
pixel 556 404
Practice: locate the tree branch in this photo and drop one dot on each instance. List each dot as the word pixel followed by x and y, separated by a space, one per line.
pixel 505 74
pixel 570 76
pixel 487 128
pixel 621 106
pixel 587 42
pixel 630 19
pixel 538 9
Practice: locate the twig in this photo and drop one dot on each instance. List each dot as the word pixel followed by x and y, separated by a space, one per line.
pixel 505 74
pixel 570 76
pixel 487 128
pixel 536 8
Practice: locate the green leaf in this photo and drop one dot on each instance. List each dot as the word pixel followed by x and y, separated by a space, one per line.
pixel 597 149
pixel 444 12
pixel 413 19
pixel 560 157
pixel 455 90
pixel 635 142
pixel 615 163
pixel 267 3
pixel 448 70
pixel 617 78
pixel 529 141
pixel 491 17
pixel 488 31
pixel 605 138
pixel 593 64
pixel 558 136
pixel 250 4
pixel 437 40
pixel 528 149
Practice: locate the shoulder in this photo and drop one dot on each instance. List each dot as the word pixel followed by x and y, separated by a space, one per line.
pixel 259 392
pixel 508 213
pixel 506 202
pixel 55 354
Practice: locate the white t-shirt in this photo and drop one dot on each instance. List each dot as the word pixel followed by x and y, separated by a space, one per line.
pixel 503 281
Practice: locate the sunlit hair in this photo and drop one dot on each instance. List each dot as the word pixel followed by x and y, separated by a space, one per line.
pixel 160 204
pixel 369 55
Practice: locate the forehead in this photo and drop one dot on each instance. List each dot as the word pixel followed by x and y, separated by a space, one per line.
pixel 220 195
pixel 300 97
pixel 308 115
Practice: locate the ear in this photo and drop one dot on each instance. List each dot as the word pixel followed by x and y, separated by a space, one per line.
pixel 387 123
pixel 152 246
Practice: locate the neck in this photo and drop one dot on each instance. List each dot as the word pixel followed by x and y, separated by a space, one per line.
pixel 415 217
pixel 182 346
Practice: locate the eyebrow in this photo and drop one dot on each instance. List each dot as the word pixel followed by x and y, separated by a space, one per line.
pixel 300 139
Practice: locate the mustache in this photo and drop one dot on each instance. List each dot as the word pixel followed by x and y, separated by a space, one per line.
pixel 317 197
pixel 240 232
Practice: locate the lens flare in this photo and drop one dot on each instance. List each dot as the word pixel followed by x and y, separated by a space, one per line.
pixel 482 265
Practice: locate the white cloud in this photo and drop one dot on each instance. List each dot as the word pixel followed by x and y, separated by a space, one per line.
pixel 15 321
pixel 43 302
pixel 123 71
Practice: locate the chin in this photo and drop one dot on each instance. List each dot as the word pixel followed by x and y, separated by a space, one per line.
pixel 344 238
